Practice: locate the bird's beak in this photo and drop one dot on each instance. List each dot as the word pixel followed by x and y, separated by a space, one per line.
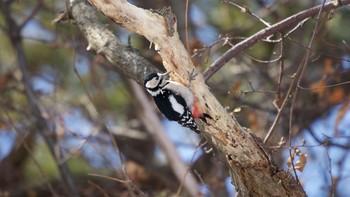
pixel 164 75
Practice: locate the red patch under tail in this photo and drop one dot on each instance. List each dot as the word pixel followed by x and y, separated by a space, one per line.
pixel 196 113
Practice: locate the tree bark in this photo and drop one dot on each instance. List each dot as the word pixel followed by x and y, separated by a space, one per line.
pixel 249 164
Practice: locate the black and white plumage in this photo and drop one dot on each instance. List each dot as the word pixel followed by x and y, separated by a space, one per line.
pixel 173 99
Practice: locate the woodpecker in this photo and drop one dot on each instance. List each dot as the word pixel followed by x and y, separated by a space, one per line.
pixel 174 100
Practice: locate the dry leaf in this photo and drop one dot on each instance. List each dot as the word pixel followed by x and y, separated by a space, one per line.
pixel 318 87
pixel 300 164
pixel 337 95
pixel 328 66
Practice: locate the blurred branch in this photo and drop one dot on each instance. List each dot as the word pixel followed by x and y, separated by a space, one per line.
pixel 99 188
pixel 34 11
pixel 26 143
pixel 268 31
pixel 100 118
pixel 43 127
pixel 124 58
pixel 154 127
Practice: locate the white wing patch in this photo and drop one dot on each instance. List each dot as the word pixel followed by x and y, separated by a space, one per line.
pixel 176 106
pixel 183 91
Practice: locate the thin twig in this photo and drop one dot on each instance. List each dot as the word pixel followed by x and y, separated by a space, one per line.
pixel 324 87
pixel 130 186
pixel 98 187
pixel 292 91
pixel 197 52
pixel 327 141
pixel 295 92
pixel 31 155
pixel 263 61
pixel 319 52
pixel 244 9
pixel 108 177
pixel 200 145
pixel 278 27
pixel 34 11
pixel 127 182
pixel 186 27
pixel 268 39
pixel 102 120
pixel 330 172
pixel 256 91
pixel 281 71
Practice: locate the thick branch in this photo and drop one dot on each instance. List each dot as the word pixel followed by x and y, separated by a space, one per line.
pixel 124 58
pixel 250 167
pixel 268 31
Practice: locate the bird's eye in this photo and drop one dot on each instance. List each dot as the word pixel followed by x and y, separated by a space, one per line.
pixel 157 77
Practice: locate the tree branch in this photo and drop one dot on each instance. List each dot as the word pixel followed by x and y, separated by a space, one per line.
pixel 268 31
pixel 124 58
pixel 249 164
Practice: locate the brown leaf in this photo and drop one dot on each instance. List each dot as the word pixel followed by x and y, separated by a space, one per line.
pixel 5 79
pixel 289 161
pixel 337 95
pixel 300 164
pixel 317 87
pixel 235 88
pixel 328 66
pixel 253 120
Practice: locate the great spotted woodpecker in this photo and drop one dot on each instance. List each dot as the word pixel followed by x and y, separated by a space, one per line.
pixel 174 100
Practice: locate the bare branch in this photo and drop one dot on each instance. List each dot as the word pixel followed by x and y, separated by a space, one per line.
pixel 333 184
pixel 30 153
pixel 278 27
pixel 293 88
pixel 298 79
pixel 34 11
pixel 324 87
pixel 244 9
pixel 99 188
